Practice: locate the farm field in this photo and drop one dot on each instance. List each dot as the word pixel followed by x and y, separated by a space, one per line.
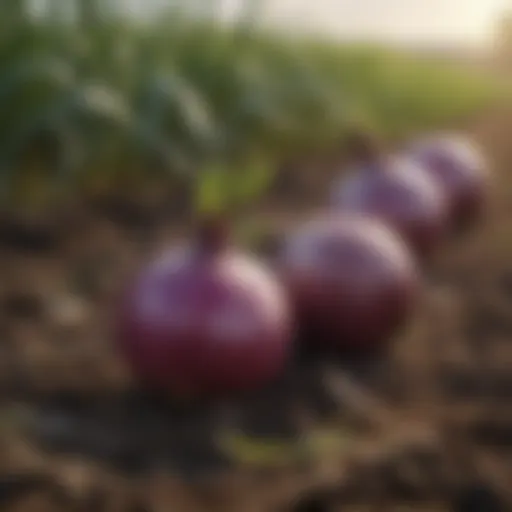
pixel 423 428
pixel 105 133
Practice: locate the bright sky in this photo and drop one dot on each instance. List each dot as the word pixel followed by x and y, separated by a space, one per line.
pixel 469 21
pixel 410 20
pixel 438 21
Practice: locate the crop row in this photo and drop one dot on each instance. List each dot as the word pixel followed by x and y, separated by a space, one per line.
pixel 117 102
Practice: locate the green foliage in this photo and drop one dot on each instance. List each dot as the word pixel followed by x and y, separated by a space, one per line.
pixel 324 443
pixel 232 186
pixel 188 93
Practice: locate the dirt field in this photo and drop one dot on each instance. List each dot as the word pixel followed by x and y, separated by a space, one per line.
pixel 425 428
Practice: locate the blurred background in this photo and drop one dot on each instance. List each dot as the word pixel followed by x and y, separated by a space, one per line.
pixel 97 93
pixel 119 119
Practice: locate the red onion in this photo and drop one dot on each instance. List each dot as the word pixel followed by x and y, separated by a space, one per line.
pixel 352 280
pixel 461 171
pixel 205 319
pixel 396 190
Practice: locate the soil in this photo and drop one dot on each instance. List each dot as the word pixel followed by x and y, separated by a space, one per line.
pixel 426 426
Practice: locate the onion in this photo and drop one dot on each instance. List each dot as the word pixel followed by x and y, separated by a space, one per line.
pixel 461 171
pixel 396 190
pixel 352 280
pixel 205 319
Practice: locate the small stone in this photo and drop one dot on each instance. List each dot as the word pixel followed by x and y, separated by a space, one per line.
pixel 69 311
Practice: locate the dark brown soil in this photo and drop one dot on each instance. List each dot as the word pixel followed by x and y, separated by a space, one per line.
pixel 424 427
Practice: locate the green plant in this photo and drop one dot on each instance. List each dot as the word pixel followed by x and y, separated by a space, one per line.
pixel 188 93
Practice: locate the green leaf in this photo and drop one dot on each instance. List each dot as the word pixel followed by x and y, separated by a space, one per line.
pixel 102 103
pixel 211 189
pixel 254 452
pixel 170 102
pixel 230 186
pixel 250 182
pixel 32 73
pixel 319 444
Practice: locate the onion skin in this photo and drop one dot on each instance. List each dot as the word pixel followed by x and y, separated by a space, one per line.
pixel 461 172
pixel 398 191
pixel 200 322
pixel 352 280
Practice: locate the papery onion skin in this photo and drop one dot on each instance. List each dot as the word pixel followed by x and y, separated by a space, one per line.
pixel 352 280
pixel 461 171
pixel 205 322
pixel 398 191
